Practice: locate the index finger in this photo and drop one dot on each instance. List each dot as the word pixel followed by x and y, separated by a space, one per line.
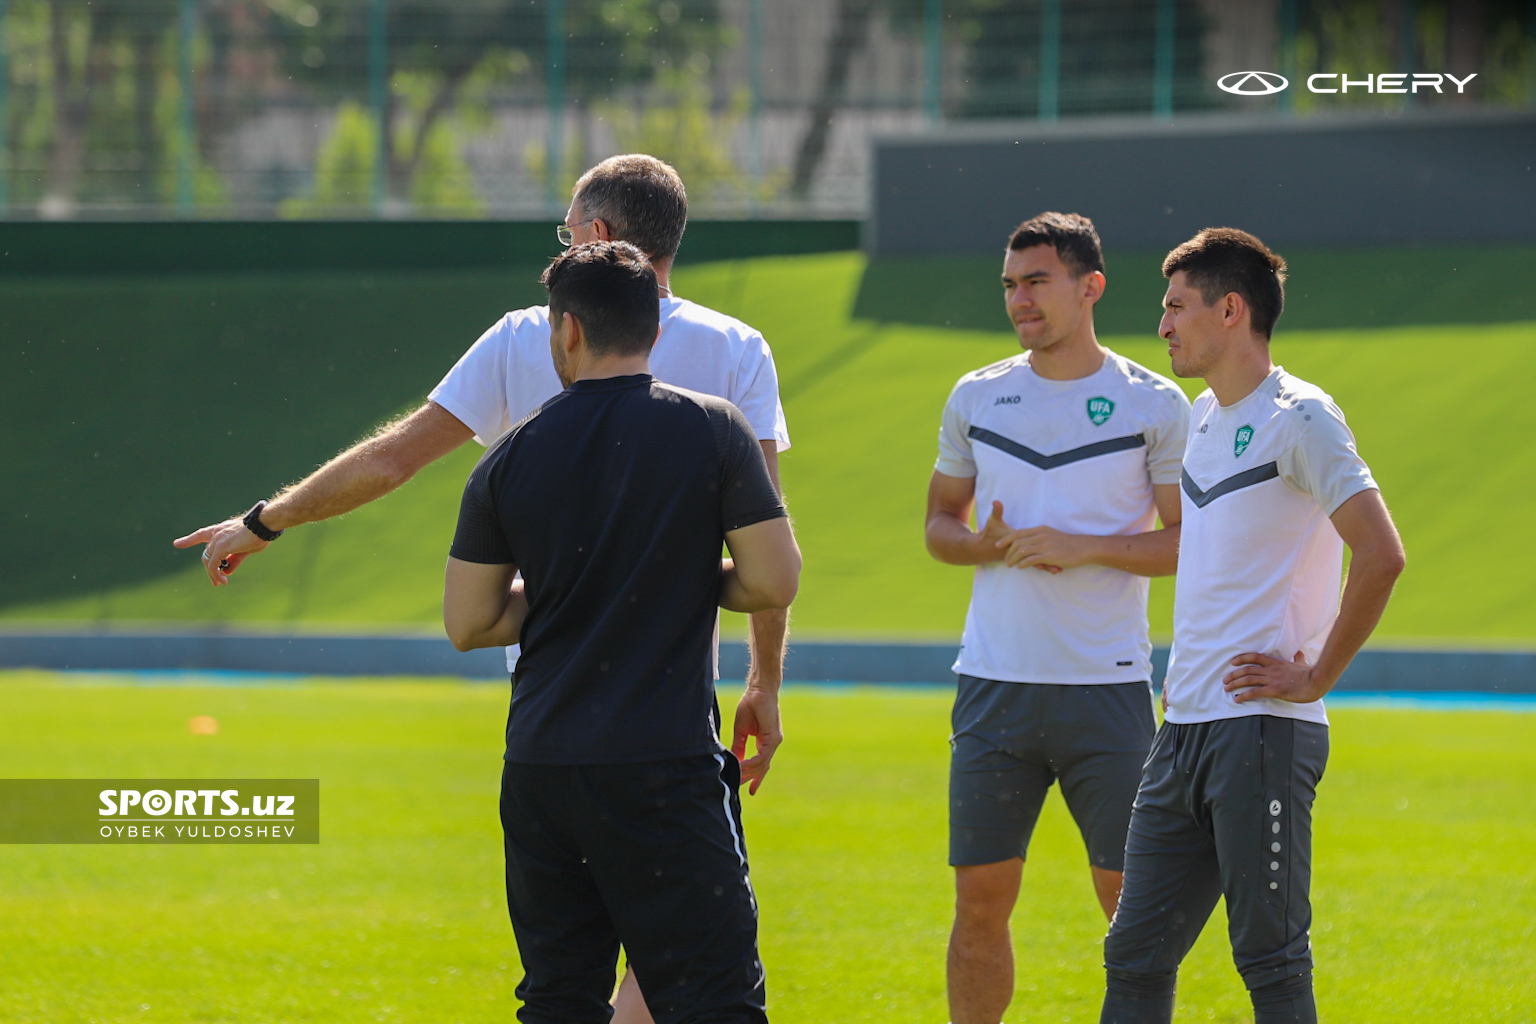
pixel 202 536
pixel 754 770
pixel 739 741
pixel 1253 694
pixel 1255 658
pixel 1018 551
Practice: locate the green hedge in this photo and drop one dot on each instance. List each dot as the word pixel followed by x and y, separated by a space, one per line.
pixel 33 248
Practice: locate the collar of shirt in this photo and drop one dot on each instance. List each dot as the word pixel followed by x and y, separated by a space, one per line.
pixel 1268 388
pixel 590 384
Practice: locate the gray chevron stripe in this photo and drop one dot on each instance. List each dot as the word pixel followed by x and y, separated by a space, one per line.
pixel 1034 458
pixel 1247 478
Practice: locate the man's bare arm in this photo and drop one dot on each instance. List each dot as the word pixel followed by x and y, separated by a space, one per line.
pixel 1376 561
pixel 1154 553
pixel 757 713
pixel 763 573
pixel 369 469
pixel 769 628
pixel 947 527
pixel 483 606
pixel 365 472
pixel 764 568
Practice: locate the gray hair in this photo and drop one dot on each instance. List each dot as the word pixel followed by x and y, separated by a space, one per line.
pixel 642 200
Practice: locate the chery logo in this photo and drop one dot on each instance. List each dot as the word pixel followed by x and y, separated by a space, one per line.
pixel 1267 83
pixel 1252 83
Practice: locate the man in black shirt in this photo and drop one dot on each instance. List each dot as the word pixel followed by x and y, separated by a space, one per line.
pixel 619 802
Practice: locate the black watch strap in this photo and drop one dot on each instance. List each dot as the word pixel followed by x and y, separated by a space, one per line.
pixel 253 523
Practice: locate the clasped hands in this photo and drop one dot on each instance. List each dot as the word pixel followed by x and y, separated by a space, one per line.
pixel 1039 547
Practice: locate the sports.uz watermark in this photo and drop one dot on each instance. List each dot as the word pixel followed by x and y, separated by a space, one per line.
pixel 160 811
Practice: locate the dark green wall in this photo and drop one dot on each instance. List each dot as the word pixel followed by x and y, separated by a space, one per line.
pixel 33 248
pixel 157 375
pixel 1328 289
pixel 138 408
pixel 141 405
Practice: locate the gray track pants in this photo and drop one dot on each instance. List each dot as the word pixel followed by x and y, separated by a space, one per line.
pixel 1224 809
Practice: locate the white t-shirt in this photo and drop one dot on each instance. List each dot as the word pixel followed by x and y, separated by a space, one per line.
pixel 1080 456
pixel 509 372
pixel 1259 559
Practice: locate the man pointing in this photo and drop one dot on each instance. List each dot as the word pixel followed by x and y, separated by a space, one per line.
pixel 508 373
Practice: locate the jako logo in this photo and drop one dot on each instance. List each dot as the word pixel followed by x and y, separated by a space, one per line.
pixel 1252 83
pixel 1267 83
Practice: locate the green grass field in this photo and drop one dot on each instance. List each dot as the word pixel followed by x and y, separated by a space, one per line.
pixel 1440 413
pixel 1424 890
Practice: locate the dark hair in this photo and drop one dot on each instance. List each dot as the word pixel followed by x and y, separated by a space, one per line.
pixel 641 198
pixel 1222 260
pixel 1072 235
pixel 611 288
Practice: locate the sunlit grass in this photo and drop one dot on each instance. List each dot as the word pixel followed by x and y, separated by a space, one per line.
pixel 1423 885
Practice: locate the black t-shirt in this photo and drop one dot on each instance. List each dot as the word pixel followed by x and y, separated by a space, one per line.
pixel 613 499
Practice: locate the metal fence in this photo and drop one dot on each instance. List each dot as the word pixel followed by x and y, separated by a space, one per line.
pixel 471 108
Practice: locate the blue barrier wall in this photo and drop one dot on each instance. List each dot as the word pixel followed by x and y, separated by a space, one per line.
pixel 1375 670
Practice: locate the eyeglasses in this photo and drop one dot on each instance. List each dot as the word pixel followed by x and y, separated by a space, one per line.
pixel 566 232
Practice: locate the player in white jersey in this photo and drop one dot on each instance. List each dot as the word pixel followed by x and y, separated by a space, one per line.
pixel 509 372
pixel 1273 489
pixel 1073 453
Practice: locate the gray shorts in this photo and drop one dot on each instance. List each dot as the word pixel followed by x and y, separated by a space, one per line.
pixel 1225 809
pixel 1011 741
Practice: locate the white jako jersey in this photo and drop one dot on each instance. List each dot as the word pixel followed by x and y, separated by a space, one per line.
pixel 1080 456
pixel 1259 559
pixel 509 372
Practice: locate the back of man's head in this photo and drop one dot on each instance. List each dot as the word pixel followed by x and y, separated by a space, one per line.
pixel 641 199
pixel 1222 260
pixel 611 288
pixel 1072 235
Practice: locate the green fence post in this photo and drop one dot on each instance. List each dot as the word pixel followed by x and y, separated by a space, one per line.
pixel 186 149
pixel 1162 67
pixel 5 111
pixel 1530 53
pixel 933 60
pixel 378 99
pixel 554 88
pixel 1288 68
pixel 1050 59
pixel 755 85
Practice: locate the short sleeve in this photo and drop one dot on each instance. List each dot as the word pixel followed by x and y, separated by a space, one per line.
pixel 756 393
pixel 480 536
pixel 955 456
pixel 1323 461
pixel 474 391
pixel 1167 439
pixel 747 494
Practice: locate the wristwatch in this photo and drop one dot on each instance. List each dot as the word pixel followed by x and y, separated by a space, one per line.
pixel 253 523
